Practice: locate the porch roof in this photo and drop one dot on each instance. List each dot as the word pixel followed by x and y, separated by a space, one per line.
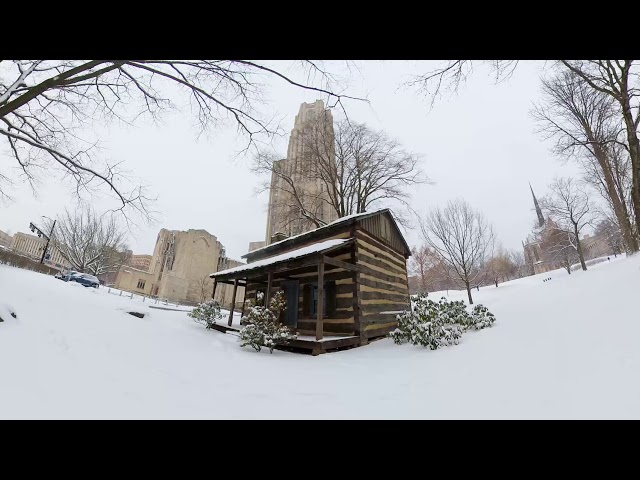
pixel 316 248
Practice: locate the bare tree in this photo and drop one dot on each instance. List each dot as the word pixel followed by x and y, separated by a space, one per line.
pixel 422 263
pixel 47 108
pixel 91 243
pixel 607 229
pixel 520 267
pixel 204 284
pixel 462 238
pixel 560 248
pixel 115 254
pixel 428 272
pixel 500 267
pixel 586 125
pixel 569 206
pixel 621 172
pixel 619 79
pixel 353 169
pixel 455 72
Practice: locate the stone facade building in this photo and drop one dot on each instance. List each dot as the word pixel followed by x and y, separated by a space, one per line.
pixel 32 246
pixel 283 217
pixel 594 246
pixel 179 268
pixel 141 262
pixel 541 250
pixel 6 240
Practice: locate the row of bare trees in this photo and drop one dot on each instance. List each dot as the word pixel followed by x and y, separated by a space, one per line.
pixel 591 108
pixel 586 125
pixel 569 212
pixel 460 248
pixel 429 273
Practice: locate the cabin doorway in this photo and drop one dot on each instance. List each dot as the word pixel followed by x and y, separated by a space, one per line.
pixel 291 293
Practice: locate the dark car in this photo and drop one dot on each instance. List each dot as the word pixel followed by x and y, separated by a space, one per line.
pixel 69 275
pixel 86 280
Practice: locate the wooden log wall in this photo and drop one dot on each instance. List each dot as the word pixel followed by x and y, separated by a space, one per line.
pixel 363 297
pixel 380 226
pixel 382 285
pixel 342 320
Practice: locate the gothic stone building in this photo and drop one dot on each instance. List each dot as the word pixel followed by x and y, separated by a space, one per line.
pixel 535 254
pixel 283 217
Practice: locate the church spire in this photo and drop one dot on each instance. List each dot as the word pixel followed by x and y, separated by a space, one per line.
pixel 538 209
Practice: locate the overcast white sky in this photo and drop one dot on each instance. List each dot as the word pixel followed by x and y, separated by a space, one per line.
pixel 478 144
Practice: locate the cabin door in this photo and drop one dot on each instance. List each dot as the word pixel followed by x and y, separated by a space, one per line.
pixel 292 292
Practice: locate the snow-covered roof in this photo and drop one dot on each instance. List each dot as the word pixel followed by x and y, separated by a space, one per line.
pixel 126 268
pixel 335 222
pixel 300 252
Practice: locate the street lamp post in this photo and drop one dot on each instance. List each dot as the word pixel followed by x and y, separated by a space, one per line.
pixel 44 253
pixel 34 229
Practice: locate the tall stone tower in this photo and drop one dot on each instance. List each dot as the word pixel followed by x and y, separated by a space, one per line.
pixel 284 218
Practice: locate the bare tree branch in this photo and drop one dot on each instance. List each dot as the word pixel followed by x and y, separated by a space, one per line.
pixel 48 109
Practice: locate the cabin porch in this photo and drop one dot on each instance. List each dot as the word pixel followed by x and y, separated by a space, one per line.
pixel 304 343
pixel 320 290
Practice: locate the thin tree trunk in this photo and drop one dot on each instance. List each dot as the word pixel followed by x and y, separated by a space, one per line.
pixel 579 248
pixel 469 293
pixel 619 208
pixel 634 153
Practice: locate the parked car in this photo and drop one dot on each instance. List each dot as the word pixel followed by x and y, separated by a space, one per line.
pixel 86 280
pixel 69 275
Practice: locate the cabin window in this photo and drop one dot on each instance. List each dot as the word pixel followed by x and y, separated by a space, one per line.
pixel 310 299
pixel 141 284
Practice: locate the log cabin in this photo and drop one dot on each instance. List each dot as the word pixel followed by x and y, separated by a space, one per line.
pixel 344 282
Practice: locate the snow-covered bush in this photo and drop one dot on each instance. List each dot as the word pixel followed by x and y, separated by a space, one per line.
pixel 481 317
pixel 206 313
pixel 427 324
pixel 261 329
pixel 454 312
pixel 436 325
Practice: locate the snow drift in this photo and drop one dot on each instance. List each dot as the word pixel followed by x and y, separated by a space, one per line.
pixel 565 348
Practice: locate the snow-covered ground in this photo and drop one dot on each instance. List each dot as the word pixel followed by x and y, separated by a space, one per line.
pixel 565 348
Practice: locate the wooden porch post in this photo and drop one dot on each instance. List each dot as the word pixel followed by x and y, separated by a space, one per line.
pixel 215 284
pixel 233 301
pixel 244 298
pixel 267 294
pixel 320 308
